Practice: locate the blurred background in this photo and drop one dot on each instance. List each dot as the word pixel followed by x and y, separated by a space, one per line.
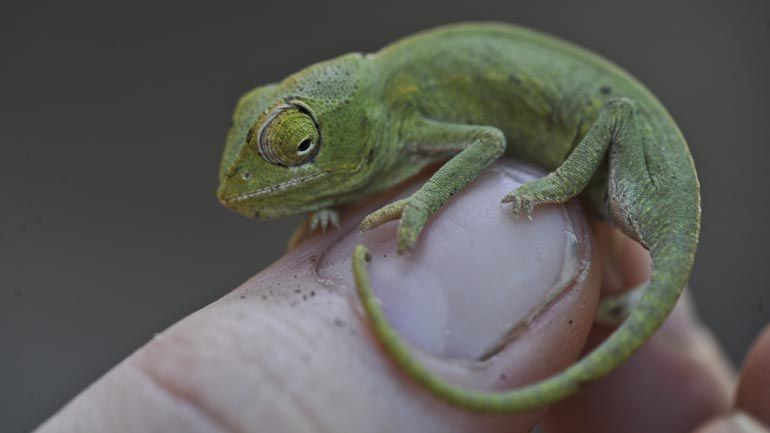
pixel 113 116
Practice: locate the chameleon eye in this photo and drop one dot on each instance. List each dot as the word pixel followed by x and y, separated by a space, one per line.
pixel 289 136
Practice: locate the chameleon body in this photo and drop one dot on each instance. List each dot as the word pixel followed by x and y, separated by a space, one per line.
pixel 466 95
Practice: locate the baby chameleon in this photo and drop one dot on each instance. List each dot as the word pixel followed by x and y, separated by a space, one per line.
pixel 467 94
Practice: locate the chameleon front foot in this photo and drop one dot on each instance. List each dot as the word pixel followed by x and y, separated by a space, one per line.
pixel 385 214
pixel 412 215
pixel 323 218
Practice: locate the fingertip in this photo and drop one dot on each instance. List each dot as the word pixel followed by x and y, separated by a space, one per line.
pixel 753 395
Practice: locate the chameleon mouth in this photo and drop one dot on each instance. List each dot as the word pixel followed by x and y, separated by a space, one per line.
pixel 270 189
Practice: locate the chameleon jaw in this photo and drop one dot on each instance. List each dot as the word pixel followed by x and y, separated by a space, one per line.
pixel 269 189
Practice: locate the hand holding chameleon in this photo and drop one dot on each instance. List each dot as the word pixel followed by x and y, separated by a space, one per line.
pixel 262 358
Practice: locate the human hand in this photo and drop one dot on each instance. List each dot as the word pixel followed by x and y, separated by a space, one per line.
pixel 290 350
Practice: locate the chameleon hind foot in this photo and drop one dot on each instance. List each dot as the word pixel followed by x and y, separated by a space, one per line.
pixel 323 218
pixel 535 193
pixel 616 124
pixel 412 215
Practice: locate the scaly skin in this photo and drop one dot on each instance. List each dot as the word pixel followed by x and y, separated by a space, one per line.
pixel 467 94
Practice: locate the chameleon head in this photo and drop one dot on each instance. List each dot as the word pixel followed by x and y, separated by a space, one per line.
pixel 302 144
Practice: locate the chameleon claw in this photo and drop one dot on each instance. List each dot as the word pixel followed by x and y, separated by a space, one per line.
pixel 314 220
pixel 519 204
pixel 524 206
pixel 529 209
pixel 516 207
pixel 334 218
pixel 516 203
pixel 323 219
pixel 320 218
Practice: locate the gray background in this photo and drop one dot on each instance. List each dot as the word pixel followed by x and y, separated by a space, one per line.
pixel 112 120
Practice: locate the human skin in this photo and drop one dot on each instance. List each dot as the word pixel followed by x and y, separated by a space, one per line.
pixel 264 359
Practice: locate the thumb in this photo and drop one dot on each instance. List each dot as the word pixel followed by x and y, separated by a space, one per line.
pixel 291 350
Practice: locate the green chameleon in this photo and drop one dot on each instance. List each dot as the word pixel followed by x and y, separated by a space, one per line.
pixel 467 94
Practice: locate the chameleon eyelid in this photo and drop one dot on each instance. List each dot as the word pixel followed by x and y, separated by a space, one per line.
pixel 292 103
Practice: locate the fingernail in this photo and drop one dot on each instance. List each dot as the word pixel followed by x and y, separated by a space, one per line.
pixel 477 274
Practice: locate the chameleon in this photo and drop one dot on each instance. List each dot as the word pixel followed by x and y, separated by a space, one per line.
pixel 462 96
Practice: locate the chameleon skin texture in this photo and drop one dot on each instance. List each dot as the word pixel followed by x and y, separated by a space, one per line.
pixel 466 95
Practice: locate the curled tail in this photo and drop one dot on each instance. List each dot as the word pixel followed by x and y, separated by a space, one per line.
pixel 672 257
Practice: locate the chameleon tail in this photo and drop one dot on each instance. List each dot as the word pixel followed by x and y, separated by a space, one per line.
pixel 672 255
